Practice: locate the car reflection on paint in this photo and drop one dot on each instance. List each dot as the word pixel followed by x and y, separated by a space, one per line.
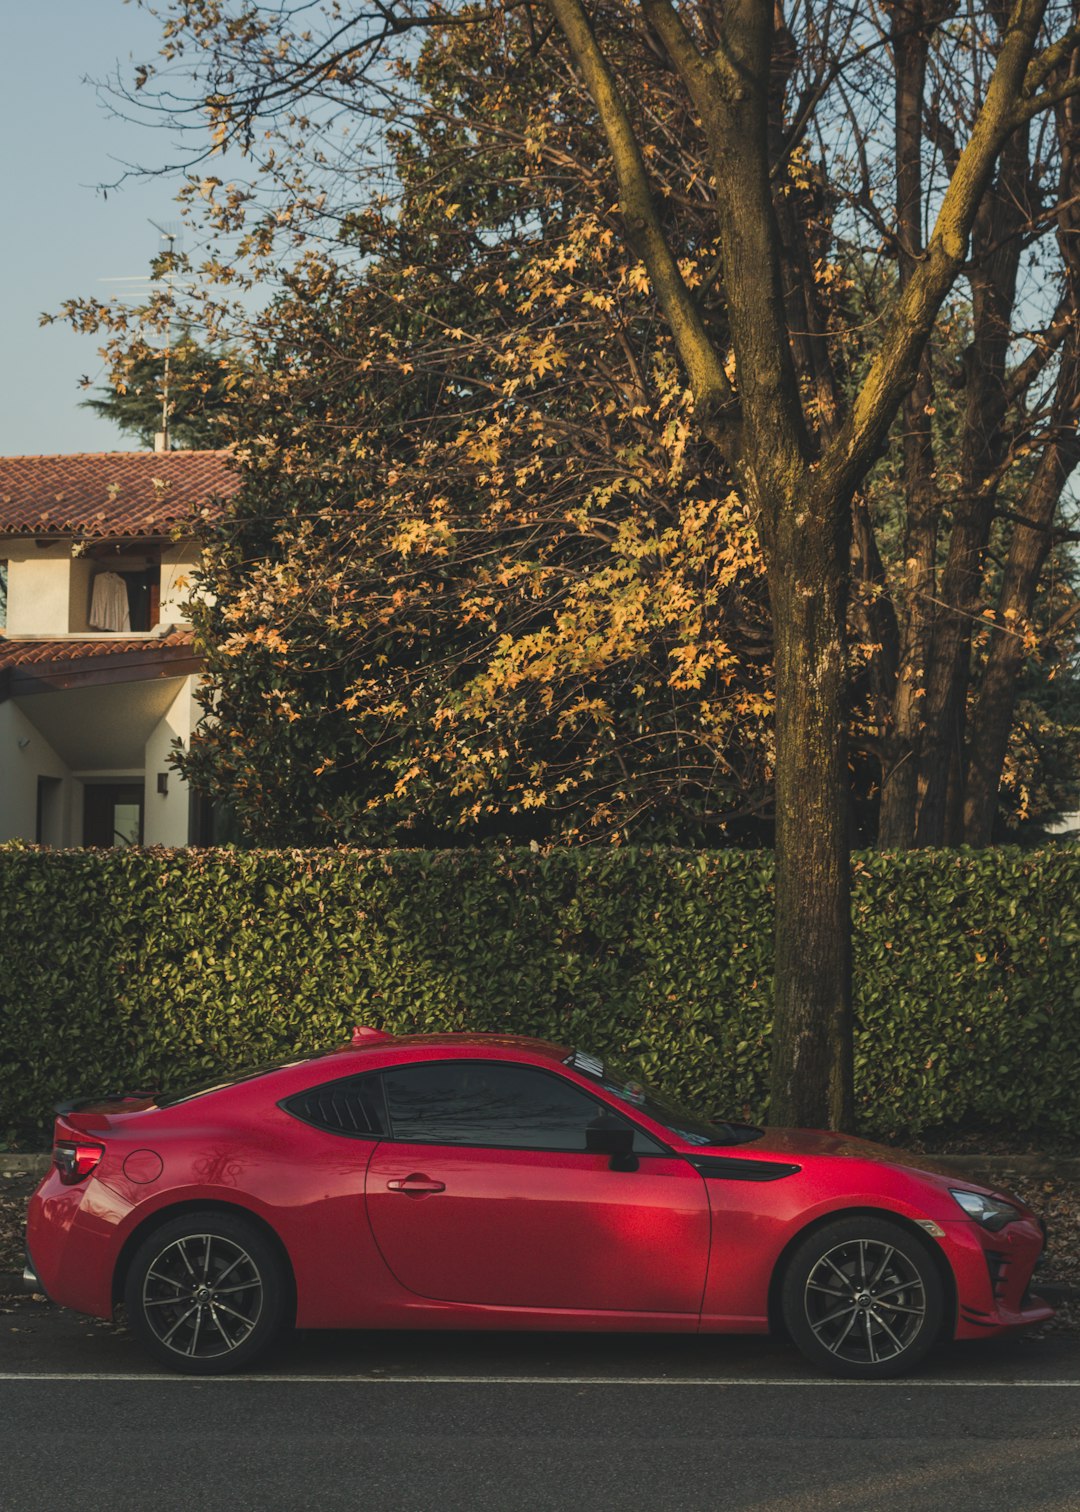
pixel 496 1182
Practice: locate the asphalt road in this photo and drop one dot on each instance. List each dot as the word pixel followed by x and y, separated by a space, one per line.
pixel 467 1423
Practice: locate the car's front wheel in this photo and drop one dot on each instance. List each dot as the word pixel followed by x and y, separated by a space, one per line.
pixel 862 1297
pixel 205 1293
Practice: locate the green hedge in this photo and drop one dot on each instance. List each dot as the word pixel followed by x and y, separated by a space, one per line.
pixel 123 969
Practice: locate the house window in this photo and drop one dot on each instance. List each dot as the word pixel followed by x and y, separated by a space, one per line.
pixel 3 595
pixel 125 592
pixel 144 594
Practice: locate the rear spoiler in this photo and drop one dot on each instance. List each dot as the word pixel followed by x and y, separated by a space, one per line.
pixel 61 1109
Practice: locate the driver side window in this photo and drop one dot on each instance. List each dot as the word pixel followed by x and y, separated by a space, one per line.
pixel 492 1104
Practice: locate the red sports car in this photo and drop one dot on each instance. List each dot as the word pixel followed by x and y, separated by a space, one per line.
pixel 477 1181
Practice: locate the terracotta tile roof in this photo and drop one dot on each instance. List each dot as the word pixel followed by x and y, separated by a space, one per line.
pixel 111 493
pixel 33 653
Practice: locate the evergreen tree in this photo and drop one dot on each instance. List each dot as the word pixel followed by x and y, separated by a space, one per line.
pixel 201 385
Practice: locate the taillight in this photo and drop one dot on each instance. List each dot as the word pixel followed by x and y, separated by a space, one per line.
pixel 75 1159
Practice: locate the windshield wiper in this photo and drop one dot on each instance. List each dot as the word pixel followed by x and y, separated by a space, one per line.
pixel 739 1133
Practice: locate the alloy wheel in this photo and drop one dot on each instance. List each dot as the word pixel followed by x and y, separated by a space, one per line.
pixel 202 1296
pixel 865 1302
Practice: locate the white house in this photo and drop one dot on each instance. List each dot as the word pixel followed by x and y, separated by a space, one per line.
pixel 97 664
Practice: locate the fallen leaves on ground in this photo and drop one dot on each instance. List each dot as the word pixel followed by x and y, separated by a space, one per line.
pixel 15 1193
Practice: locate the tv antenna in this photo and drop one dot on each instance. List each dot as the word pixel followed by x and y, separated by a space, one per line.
pixel 170 246
pixel 170 235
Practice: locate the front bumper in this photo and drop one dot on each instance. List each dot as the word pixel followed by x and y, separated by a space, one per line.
pixel 30 1279
pixel 993 1273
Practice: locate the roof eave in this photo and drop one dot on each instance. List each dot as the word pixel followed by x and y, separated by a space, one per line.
pixel 97 671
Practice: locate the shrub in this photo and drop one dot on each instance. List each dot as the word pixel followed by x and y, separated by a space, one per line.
pixel 125 969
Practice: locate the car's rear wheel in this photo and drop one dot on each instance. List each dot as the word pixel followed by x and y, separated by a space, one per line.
pixel 862 1297
pixel 205 1293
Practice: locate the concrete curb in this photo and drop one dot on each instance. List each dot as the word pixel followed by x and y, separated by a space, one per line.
pixel 24 1165
pixel 1067 1168
pixel 1055 1292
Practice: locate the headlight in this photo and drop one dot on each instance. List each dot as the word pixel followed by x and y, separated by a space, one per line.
pixel 991 1212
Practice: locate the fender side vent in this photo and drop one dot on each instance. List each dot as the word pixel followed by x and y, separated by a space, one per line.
pixel 730 1168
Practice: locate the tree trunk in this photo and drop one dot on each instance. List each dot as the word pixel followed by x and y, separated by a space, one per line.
pixel 990 738
pixel 811 1044
pixel 877 625
pixel 997 245
pixel 993 714
pixel 1032 541
pixel 900 769
pixel 900 764
pixel 800 489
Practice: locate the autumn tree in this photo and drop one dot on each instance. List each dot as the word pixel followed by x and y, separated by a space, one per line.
pixel 762 365
pixel 465 588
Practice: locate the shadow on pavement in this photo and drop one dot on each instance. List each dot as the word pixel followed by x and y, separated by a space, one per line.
pixel 39 1337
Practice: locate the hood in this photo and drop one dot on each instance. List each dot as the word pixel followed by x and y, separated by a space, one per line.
pixel 795 1142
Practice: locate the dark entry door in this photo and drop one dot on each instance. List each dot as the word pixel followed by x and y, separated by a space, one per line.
pixel 113 814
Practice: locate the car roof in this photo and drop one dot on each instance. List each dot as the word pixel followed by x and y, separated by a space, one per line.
pixel 369 1050
pixel 390 1048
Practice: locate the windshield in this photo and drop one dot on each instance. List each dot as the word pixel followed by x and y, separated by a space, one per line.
pixel 668 1111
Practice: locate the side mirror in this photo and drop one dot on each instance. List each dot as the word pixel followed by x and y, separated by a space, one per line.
pixel 610 1136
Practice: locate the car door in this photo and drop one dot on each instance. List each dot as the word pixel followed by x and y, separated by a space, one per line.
pixel 487 1195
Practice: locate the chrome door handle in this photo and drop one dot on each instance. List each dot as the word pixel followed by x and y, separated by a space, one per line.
pixel 416 1185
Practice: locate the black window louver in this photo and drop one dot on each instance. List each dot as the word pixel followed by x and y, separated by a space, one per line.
pixel 344 1108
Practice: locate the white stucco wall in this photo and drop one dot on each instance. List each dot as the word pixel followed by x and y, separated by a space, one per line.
pixel 178 565
pixel 82 586
pixel 165 816
pixel 20 768
pixel 90 730
pixel 39 590
pixel 101 733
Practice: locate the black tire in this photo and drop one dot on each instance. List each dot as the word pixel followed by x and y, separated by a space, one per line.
pixel 862 1297
pixel 206 1293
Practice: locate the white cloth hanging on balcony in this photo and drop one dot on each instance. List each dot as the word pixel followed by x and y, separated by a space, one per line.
pixel 109 604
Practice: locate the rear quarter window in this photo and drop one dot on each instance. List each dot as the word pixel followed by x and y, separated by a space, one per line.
pixel 351 1106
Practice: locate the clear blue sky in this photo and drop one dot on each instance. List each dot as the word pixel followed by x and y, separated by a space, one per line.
pixel 60 236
